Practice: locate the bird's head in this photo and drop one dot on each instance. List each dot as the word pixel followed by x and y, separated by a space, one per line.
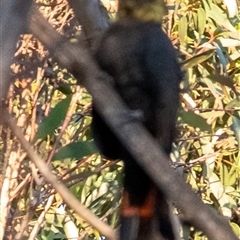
pixel 144 10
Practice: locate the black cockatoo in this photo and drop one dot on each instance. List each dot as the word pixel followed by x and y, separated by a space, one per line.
pixel 142 62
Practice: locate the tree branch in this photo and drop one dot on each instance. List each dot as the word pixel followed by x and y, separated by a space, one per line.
pixel 132 134
pixel 13 23
pixel 67 196
pixel 93 18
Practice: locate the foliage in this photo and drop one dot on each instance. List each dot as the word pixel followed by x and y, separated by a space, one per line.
pixel 208 143
pixel 54 114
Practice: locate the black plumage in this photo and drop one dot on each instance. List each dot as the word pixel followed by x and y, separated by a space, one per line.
pixel 146 74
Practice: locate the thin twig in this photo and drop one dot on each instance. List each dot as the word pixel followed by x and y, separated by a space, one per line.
pixel 132 134
pixel 41 218
pixel 66 121
pixel 67 196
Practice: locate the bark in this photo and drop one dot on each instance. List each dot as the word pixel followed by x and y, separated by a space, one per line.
pixel 78 61
pixel 93 17
pixel 13 23
pixel 131 133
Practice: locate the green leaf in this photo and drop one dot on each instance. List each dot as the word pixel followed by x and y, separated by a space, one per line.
pixel 195 18
pixel 201 22
pixel 228 177
pixel 76 150
pixel 218 191
pixel 195 120
pixel 236 128
pixel 197 59
pixel 207 8
pixel 64 88
pixel 211 114
pixel 235 103
pixel 56 116
pixel 235 228
pixel 182 28
pixel 229 42
pixel 224 80
pixel 221 56
pixel 220 17
pixel 211 86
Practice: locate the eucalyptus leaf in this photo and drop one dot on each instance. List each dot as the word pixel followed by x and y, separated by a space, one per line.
pixel 235 228
pixel 224 80
pixel 211 86
pixel 218 191
pixel 229 42
pixel 64 88
pixel 197 59
pixel 195 120
pixel 207 4
pixel 228 177
pixel 220 17
pixel 182 28
pixel 236 128
pixel 232 7
pixel 212 114
pixel 201 22
pixel 222 58
pixel 235 103
pixel 76 150
pixel 52 122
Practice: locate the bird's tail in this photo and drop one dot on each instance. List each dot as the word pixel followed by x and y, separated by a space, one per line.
pixel 152 220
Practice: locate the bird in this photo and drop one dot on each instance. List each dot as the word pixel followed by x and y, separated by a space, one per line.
pixel 145 72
